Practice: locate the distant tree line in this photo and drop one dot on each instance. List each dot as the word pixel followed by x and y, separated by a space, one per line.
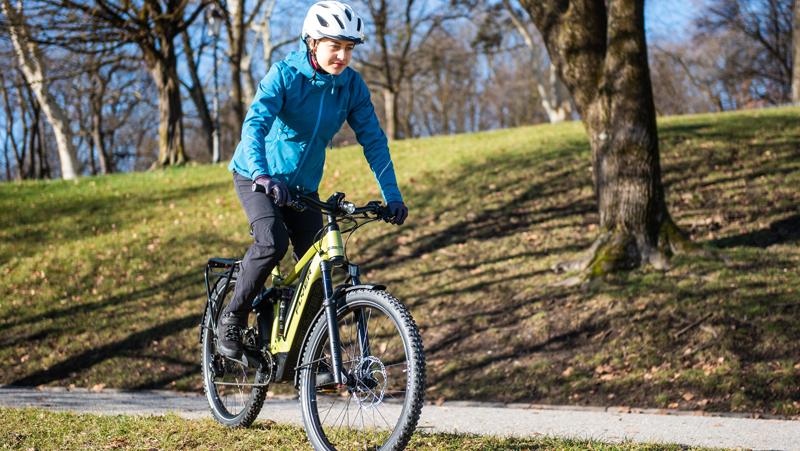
pixel 102 86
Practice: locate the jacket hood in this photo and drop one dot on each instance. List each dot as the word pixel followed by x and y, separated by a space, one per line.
pixel 298 59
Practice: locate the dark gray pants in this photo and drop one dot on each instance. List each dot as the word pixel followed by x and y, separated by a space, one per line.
pixel 272 228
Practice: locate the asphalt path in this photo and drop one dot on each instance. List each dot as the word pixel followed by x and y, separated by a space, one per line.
pixel 611 425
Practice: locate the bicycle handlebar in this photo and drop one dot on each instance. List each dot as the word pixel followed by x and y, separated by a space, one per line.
pixel 335 205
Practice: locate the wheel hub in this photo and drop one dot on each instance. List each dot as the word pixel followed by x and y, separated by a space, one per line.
pixel 369 382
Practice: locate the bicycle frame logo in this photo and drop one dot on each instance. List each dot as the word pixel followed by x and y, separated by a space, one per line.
pixel 328 249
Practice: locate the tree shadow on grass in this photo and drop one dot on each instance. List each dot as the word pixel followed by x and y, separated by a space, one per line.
pixel 485 218
pixel 31 228
pixel 782 231
pixel 91 357
pixel 176 283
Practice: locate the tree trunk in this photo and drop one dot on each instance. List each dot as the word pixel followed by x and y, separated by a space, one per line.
pixel 33 145
pixel 32 65
pixel 796 59
pixel 43 169
pixel 390 110
pixel 555 101
pixel 5 157
pixel 9 139
pixel 603 62
pixel 170 127
pixel 199 96
pixel 237 37
pixel 98 142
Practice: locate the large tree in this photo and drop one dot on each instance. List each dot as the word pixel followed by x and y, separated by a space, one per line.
pixel 600 53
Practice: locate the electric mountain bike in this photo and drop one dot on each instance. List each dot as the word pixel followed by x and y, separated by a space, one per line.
pixel 353 351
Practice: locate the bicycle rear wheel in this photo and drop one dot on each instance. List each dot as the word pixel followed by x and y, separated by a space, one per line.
pixel 379 406
pixel 235 392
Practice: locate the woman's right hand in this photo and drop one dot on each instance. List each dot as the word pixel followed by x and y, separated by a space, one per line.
pixel 398 212
pixel 274 188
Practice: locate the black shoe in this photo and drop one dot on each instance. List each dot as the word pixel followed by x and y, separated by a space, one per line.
pixel 230 329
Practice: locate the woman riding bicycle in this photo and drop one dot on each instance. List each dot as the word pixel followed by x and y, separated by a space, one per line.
pixel 300 105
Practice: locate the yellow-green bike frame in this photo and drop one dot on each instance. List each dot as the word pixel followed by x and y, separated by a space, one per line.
pixel 329 248
pixel 288 329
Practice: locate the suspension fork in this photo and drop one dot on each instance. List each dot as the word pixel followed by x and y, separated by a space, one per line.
pixel 329 304
pixel 361 321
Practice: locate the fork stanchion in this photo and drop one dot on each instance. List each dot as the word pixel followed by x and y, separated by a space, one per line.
pixel 329 304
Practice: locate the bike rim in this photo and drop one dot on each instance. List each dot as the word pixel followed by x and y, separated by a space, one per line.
pixel 366 412
pixel 230 383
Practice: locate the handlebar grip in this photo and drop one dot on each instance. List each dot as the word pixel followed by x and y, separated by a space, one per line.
pixel 294 204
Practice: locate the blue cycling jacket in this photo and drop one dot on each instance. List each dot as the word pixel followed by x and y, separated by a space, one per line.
pixel 295 114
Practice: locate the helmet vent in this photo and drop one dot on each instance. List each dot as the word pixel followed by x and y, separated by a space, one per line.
pixel 339 20
pixel 358 26
pixel 322 21
pixel 348 14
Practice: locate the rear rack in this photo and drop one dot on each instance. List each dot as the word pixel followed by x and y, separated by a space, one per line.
pixel 216 269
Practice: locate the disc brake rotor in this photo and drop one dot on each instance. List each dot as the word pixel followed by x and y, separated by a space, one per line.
pixel 371 382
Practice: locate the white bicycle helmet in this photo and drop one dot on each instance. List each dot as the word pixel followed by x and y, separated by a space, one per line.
pixel 335 20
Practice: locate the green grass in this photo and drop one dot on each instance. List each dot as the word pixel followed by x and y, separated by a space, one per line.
pixel 101 279
pixel 40 429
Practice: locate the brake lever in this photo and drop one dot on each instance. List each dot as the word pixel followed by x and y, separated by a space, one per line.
pixel 296 205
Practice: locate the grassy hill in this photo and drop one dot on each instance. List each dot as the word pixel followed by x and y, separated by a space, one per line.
pixel 101 279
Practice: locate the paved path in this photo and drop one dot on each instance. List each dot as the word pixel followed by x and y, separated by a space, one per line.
pixel 516 420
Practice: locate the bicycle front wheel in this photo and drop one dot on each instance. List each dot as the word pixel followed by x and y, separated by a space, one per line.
pixel 379 405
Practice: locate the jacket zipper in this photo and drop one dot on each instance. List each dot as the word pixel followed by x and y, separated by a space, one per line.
pixel 311 141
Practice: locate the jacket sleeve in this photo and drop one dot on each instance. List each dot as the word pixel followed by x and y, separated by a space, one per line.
pixel 260 116
pixel 364 122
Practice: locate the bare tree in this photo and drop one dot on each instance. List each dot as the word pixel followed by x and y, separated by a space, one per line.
pixel 554 96
pixel 762 30
pixel 152 26
pixel 399 29
pixel 239 22
pixel 32 64
pixel 600 53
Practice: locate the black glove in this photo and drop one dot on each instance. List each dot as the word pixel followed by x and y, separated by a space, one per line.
pixel 274 188
pixel 398 212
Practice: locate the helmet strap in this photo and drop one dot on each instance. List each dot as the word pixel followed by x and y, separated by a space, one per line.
pixel 312 56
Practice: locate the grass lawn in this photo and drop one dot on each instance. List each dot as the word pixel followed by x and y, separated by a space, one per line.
pixel 101 278
pixel 40 429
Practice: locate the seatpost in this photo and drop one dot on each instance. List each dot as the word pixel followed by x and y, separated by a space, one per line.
pixel 329 304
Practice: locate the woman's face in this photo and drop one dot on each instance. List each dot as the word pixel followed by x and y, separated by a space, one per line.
pixel 333 55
